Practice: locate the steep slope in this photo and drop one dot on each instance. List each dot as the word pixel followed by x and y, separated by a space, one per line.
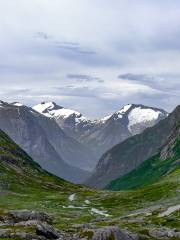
pixel 42 139
pixel 18 170
pixel 76 153
pixel 101 135
pixel 153 169
pixel 127 155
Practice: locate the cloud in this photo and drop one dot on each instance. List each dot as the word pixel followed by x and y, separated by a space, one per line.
pixel 73 47
pixel 42 35
pixel 163 82
pixel 84 78
pixel 72 52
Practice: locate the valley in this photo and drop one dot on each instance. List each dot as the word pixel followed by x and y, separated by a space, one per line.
pixel 150 210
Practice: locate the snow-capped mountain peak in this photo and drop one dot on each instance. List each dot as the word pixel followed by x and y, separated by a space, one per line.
pixel 125 109
pixel 46 107
pixel 51 109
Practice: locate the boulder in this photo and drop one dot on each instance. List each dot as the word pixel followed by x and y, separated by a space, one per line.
pixel 24 215
pixel 47 231
pixel 107 233
pixel 4 233
pixel 164 233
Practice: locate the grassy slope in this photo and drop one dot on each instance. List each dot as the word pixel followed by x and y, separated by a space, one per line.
pixel 148 172
pixel 28 187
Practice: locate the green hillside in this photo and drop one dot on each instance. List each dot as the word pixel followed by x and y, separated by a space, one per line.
pixel 148 172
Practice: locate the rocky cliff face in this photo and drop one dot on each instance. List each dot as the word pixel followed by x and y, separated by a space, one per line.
pixel 44 141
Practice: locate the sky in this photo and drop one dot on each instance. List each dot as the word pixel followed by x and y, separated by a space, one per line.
pixel 93 56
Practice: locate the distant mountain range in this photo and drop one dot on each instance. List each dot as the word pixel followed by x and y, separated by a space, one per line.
pixel 128 155
pixel 101 135
pixel 66 143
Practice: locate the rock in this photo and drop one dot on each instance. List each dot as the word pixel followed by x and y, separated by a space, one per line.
pixel 106 233
pixel 164 233
pixel 27 223
pixel 26 236
pixel 47 231
pixel 80 226
pixel 24 215
pixel 4 233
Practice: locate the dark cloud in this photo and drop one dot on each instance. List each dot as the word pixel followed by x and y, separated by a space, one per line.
pixel 136 77
pixel 74 47
pixel 84 78
pixel 163 82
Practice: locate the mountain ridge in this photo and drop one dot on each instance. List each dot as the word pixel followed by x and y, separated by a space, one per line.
pixel 101 135
pixel 127 155
pixel 153 169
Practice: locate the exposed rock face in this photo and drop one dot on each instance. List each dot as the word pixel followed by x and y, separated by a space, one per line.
pixel 33 225
pixel 45 141
pixel 19 235
pixel 107 233
pixel 164 233
pixel 127 155
pixel 47 231
pixel 25 215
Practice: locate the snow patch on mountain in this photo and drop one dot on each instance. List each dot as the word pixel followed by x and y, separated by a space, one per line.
pixel 18 104
pixel 140 115
pixel 50 109
pixel 125 109
pixel 103 120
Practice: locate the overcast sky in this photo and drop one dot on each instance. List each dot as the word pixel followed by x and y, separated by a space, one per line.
pixel 90 55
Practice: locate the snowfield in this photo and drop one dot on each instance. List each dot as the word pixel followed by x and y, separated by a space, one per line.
pixel 140 115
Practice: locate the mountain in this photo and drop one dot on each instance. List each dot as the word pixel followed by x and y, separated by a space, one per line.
pixel 151 212
pixel 127 155
pixel 153 169
pixel 18 169
pixel 71 121
pixel 44 141
pixel 130 120
pixel 101 135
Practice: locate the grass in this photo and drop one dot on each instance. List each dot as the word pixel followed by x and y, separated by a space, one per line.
pixel 149 172
pixel 26 186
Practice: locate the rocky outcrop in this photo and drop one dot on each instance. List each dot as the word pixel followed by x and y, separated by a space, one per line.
pixel 164 233
pixel 30 225
pixel 25 215
pixel 47 231
pixel 107 233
